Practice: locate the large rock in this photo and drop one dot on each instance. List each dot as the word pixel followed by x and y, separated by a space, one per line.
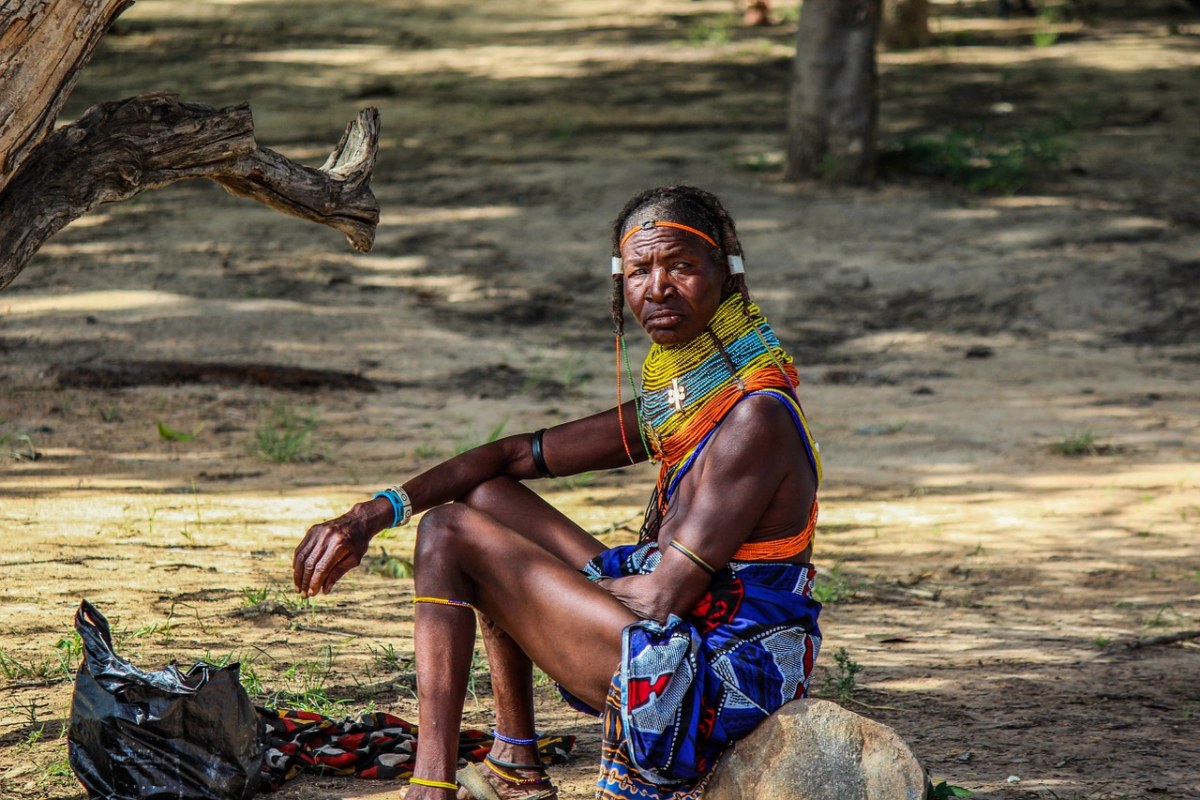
pixel 817 750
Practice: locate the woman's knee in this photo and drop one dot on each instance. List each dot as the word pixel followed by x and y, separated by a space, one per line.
pixel 440 528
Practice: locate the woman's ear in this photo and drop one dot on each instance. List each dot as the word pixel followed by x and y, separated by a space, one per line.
pixel 730 284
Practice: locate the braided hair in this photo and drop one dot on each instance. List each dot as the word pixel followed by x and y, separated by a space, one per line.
pixel 689 206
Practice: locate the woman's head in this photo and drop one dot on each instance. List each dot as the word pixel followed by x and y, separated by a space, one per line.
pixel 676 256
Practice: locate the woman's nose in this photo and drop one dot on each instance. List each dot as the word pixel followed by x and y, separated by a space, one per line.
pixel 660 284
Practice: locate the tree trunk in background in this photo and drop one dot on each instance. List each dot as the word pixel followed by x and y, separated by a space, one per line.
pixel 905 24
pixel 116 150
pixel 835 99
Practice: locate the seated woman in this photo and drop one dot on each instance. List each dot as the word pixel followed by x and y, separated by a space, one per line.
pixel 683 643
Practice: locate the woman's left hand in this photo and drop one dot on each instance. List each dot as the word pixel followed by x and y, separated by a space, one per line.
pixel 331 549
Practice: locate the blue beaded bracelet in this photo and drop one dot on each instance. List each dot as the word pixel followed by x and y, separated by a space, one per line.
pixel 401 505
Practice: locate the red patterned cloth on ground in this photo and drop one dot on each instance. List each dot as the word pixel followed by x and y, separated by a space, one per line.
pixel 374 746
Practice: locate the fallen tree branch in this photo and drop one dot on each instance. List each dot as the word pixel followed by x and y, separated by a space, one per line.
pixel 119 149
pixel 1166 638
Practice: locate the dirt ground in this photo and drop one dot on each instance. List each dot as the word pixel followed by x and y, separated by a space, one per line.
pixel 1003 384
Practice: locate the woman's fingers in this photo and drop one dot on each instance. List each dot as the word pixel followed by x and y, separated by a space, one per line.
pixel 323 548
pixel 349 562
pixel 300 558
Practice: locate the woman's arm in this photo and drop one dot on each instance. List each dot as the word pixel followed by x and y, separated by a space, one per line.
pixel 753 478
pixel 331 549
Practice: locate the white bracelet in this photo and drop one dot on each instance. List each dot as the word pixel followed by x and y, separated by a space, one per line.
pixel 402 508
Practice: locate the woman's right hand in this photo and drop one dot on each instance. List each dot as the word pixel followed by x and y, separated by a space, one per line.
pixel 331 549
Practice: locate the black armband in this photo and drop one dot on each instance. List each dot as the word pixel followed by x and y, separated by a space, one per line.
pixel 539 459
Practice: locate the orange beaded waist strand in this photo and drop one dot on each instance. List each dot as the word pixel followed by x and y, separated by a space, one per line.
pixel 780 549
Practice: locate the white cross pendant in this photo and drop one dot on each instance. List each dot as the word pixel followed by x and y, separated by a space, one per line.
pixel 676 394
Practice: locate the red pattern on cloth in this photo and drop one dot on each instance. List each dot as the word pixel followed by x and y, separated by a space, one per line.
pixel 375 746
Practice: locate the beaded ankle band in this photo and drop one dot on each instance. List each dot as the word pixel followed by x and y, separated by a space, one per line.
pixel 433 784
pixel 512 739
pixel 540 767
pixel 513 780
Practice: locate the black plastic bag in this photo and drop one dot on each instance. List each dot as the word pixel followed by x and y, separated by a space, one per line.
pixel 139 735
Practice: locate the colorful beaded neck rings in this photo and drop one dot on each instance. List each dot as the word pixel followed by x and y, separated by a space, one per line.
pixel 688 389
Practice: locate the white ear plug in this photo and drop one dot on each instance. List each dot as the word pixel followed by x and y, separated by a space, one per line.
pixel 618 266
pixel 736 265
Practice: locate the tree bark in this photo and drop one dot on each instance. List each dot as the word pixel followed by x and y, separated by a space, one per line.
pixel 43 46
pixel 905 24
pixel 834 101
pixel 119 149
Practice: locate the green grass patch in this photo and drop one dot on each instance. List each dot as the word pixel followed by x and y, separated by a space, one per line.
pixel 18 446
pixel 833 587
pixel 285 436
pixel 1076 444
pixel 842 683
pixel 59 666
pixel 980 160
pixel 387 659
pixel 712 32
pixel 388 566
pixel 261 597
pixel 946 791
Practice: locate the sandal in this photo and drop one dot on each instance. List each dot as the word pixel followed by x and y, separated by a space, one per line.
pixel 475 782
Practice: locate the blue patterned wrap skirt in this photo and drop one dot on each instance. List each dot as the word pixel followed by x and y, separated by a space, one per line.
pixel 688 689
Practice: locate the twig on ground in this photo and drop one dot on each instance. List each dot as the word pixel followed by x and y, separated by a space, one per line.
pixel 329 631
pixel 26 684
pixel 1167 638
pixel 263 609
pixel 875 707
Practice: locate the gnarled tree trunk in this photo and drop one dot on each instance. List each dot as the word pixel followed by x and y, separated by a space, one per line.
pixel 834 101
pixel 116 150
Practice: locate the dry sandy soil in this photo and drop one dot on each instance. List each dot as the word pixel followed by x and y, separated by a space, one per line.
pixel 953 344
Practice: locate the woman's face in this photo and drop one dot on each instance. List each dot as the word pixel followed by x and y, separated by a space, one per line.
pixel 672 284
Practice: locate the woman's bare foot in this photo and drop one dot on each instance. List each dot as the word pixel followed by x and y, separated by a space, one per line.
pixel 506 779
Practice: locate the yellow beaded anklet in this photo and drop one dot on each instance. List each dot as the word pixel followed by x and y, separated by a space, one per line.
pixel 513 779
pixel 433 784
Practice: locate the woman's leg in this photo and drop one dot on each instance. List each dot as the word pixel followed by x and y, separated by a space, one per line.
pixel 521 510
pixel 569 626
pixel 514 506
pixel 512 694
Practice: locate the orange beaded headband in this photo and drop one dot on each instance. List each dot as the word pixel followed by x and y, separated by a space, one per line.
pixel 658 223
pixel 736 265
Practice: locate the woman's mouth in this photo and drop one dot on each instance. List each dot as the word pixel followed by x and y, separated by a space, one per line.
pixel 662 318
